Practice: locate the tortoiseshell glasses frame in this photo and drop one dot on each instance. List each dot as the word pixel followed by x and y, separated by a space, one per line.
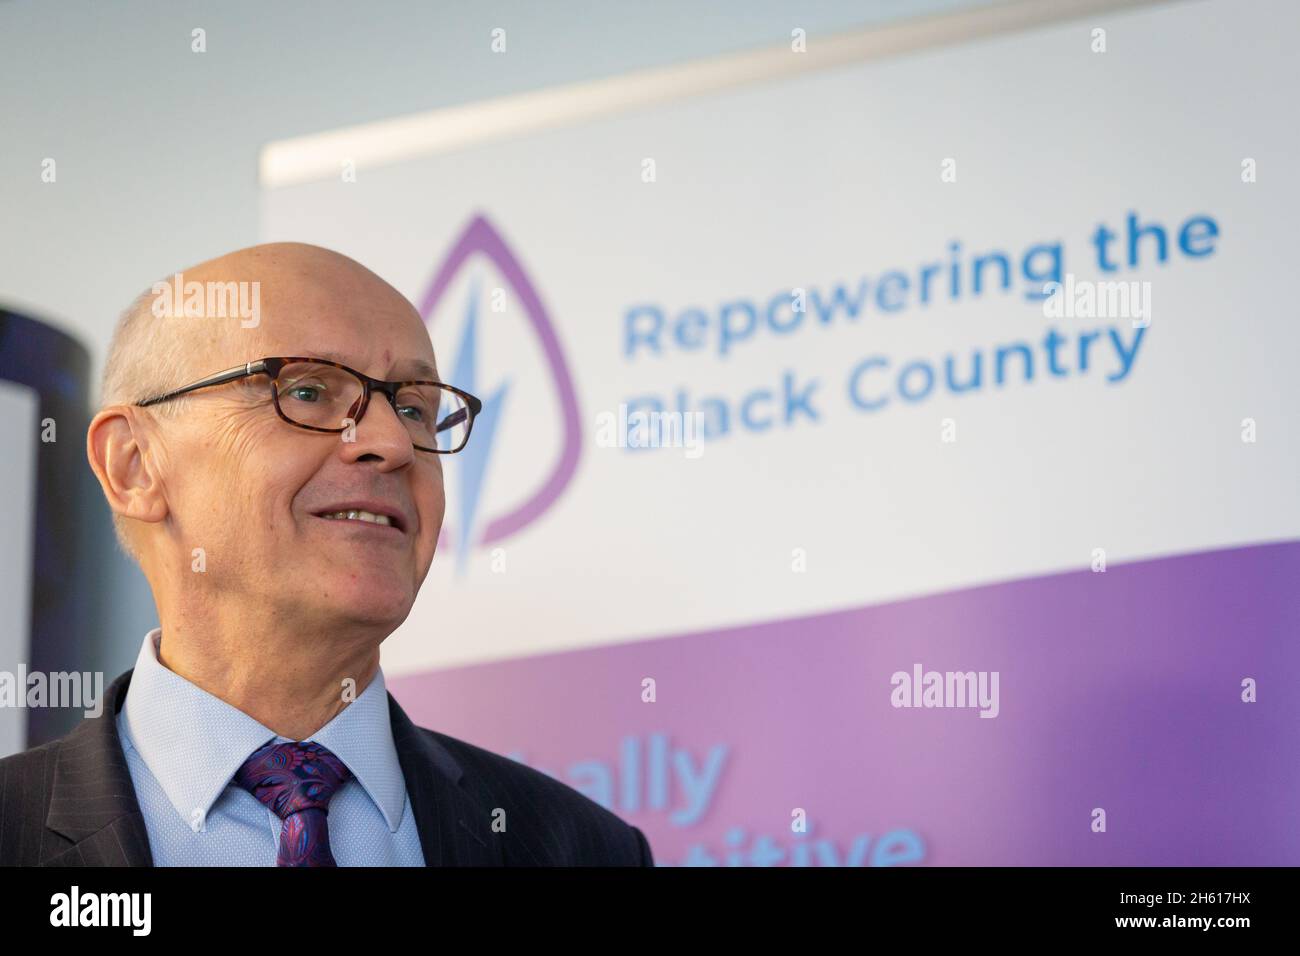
pixel 466 407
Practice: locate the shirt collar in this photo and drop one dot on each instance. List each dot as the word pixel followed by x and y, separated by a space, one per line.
pixel 193 742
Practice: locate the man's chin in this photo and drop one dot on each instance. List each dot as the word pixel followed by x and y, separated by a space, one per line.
pixel 368 602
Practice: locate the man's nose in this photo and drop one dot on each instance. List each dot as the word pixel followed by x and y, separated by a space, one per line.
pixel 380 434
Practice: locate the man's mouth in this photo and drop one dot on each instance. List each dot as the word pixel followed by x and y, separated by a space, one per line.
pixel 381 518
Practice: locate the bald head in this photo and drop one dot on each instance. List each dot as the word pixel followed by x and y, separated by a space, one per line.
pixel 173 331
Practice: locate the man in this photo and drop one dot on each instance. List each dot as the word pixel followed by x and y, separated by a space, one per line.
pixel 285 512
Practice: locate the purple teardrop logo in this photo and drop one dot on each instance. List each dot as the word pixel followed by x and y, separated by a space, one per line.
pixel 469 527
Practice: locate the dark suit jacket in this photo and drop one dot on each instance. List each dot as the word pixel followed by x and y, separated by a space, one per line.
pixel 71 803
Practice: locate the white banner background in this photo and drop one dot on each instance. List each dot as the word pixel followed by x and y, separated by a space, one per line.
pixel 817 181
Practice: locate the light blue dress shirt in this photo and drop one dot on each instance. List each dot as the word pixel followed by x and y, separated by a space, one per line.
pixel 183 745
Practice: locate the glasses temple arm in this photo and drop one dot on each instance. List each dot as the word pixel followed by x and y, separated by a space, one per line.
pixel 455 418
pixel 248 368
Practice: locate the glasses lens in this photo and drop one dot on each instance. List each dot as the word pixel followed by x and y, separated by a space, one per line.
pixel 437 418
pixel 322 396
pixel 319 396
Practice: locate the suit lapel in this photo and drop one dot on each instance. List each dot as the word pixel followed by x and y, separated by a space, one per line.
pixel 455 829
pixel 92 799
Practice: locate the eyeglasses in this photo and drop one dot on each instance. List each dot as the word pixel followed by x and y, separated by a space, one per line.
pixel 324 396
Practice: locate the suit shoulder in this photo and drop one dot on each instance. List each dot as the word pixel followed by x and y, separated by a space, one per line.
pixel 26 782
pixel 504 774
pixel 590 832
pixel 20 770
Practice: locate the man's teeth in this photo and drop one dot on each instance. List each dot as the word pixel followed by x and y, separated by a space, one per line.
pixel 360 516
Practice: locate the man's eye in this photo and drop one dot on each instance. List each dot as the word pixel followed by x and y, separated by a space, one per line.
pixel 305 393
pixel 415 414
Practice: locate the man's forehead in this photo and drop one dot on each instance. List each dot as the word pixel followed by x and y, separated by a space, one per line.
pixel 316 302
pixel 379 336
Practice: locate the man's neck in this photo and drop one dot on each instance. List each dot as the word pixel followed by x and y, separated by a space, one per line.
pixel 294 684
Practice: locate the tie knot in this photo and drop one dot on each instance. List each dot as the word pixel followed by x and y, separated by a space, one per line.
pixel 292 776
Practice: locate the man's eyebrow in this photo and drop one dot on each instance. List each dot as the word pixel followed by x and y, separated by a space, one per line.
pixel 418 368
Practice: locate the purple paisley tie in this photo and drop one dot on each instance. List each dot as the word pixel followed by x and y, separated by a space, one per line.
pixel 296 780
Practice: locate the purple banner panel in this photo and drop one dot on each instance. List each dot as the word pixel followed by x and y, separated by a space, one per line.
pixel 1148 714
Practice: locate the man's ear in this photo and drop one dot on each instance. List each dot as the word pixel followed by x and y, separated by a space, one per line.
pixel 116 443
